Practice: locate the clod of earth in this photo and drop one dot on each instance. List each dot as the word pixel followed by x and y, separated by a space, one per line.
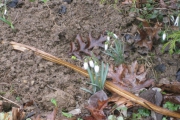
pixel 13 3
pixel 62 10
pixel 83 47
pixel 160 68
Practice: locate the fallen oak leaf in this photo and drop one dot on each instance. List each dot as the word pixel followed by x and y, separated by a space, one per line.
pixel 97 112
pixel 172 98
pixel 128 78
pixel 96 104
pixel 148 34
pixel 154 97
pixel 151 31
pixel 92 42
pixel 144 42
pixel 83 47
pixel 172 87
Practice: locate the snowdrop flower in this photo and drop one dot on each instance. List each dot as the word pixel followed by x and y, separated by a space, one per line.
pixel 176 23
pixel 5 11
pixel 106 46
pixel 115 36
pixel 96 68
pixel 85 65
pixel 108 38
pixel 91 63
pixel 164 35
pixel 172 18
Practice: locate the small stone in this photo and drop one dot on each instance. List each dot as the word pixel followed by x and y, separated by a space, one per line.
pixel 32 82
pixel 62 10
pixel 13 3
pixel 25 81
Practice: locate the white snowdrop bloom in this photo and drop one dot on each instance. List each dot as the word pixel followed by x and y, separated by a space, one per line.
pixel 106 47
pixel 5 12
pixel 157 89
pixel 85 65
pixel 108 38
pixel 91 63
pixel 172 18
pixel 176 23
pixel 164 35
pixel 96 68
pixel 115 36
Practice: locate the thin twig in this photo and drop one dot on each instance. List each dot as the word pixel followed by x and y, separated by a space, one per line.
pixel 10 101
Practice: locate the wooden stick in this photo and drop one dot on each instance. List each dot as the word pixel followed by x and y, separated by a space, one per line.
pixel 108 85
pixel 10 101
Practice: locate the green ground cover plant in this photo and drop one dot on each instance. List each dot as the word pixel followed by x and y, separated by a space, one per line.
pixel 4 14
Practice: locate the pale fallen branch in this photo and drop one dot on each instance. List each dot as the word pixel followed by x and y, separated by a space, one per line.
pixel 108 85
pixel 10 101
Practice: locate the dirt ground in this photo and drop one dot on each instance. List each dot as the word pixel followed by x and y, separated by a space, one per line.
pixel 40 25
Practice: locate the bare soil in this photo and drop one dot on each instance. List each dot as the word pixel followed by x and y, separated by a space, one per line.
pixel 40 25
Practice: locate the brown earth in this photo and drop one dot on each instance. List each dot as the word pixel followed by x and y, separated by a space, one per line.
pixel 28 76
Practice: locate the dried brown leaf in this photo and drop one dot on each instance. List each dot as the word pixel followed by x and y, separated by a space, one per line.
pixel 118 100
pixel 173 87
pixel 172 98
pixel 128 77
pixel 85 48
pixel 98 96
pixel 152 96
pixel 27 104
pixel 97 103
pixel 148 34
pixel 97 112
pixel 52 116
pixel 38 117
pixel 141 69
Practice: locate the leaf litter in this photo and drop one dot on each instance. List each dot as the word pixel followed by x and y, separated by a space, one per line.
pixel 134 69
pixel 131 77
